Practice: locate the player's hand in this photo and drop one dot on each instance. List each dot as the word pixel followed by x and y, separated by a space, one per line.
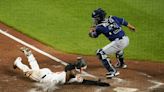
pixel 92 29
pixel 132 29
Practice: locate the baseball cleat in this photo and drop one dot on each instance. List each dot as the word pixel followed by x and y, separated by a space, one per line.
pixel 112 74
pixel 118 65
pixel 18 59
pixel 124 66
pixel 26 51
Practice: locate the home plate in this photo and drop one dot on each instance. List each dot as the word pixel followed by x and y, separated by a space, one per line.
pixel 125 89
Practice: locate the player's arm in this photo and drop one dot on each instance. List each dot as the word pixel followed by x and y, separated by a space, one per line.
pixel 90 80
pixel 94 31
pixel 122 21
pixel 131 27
pixel 79 79
pixel 94 81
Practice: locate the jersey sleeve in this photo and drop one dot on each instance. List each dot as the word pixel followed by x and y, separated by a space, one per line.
pixel 98 31
pixel 77 79
pixel 121 20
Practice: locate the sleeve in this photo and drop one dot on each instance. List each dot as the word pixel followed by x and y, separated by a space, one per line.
pixel 121 20
pixel 77 79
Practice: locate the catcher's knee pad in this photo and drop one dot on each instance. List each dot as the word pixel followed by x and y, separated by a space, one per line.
pixel 101 54
pixel 105 61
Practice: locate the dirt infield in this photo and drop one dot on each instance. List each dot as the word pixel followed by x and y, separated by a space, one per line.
pixel 138 77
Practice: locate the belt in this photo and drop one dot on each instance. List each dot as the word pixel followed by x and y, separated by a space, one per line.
pixel 44 76
pixel 120 38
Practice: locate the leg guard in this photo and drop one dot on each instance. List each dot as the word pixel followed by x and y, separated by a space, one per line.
pixel 105 61
pixel 120 57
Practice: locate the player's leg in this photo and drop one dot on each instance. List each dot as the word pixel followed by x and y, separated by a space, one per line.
pixel 116 45
pixel 121 44
pixel 120 60
pixel 107 64
pixel 31 59
pixel 26 70
pixel 39 75
pixel 111 48
pixel 20 65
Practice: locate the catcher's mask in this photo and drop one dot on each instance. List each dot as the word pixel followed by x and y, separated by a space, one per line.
pixel 98 15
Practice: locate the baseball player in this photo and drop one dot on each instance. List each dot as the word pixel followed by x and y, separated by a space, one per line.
pixel 111 28
pixel 45 75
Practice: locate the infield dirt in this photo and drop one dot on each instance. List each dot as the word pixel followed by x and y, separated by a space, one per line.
pixel 141 76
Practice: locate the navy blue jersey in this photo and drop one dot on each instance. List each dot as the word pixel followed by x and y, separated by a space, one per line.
pixel 111 28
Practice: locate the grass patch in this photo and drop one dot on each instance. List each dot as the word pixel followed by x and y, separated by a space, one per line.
pixel 64 24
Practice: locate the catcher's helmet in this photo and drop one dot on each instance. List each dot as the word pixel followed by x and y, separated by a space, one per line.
pixel 98 15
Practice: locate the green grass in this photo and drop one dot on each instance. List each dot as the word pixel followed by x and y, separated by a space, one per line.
pixel 64 24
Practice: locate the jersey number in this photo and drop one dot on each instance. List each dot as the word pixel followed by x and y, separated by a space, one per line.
pixel 114 27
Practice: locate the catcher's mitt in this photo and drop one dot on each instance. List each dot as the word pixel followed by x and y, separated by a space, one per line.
pixel 98 83
pixel 92 32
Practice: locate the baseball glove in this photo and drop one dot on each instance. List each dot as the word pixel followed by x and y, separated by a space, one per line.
pixel 92 32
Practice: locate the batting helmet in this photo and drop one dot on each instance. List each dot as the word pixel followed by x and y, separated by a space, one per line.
pixel 98 15
pixel 69 67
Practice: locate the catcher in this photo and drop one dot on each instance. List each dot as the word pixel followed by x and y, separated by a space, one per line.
pixel 111 28
pixel 45 75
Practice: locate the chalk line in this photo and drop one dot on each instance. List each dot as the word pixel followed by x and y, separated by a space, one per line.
pixel 39 51
pixel 157 84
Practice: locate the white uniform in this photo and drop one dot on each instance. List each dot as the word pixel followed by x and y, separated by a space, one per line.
pixel 42 75
pixel 116 45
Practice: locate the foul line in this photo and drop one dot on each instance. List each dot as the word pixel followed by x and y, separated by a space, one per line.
pixel 39 51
